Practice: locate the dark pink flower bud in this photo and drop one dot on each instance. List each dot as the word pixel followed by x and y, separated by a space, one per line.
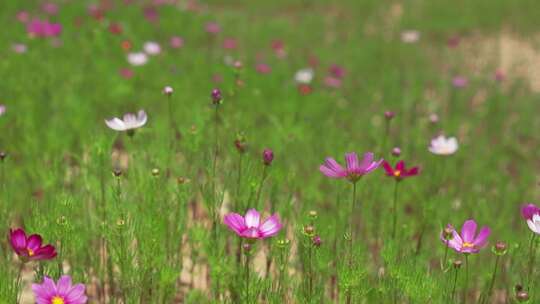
pixel 389 115
pixel 268 156
pixel 396 151
pixel 317 241
pixel 216 96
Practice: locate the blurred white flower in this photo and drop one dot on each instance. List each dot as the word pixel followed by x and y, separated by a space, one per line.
pixel 443 146
pixel 152 48
pixel 130 121
pixel 2 109
pixel 19 48
pixel 137 59
pixel 534 223
pixel 410 36
pixel 304 76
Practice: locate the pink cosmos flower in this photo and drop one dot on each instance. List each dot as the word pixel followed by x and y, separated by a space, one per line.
pixel 499 75
pixel 460 82
pixel 19 48
pixel 126 73
pixel 230 44
pixel 176 42
pixel 30 248
pixel 355 169
pixel 49 8
pixel 23 16
pixel 2 109
pixel 468 241
pixel 63 292
pixel 250 226
pixel 39 28
pixel 212 28
pixel 151 14
pixel 332 82
pixel 531 213
pixel 263 68
pixel 336 71
pixel 400 172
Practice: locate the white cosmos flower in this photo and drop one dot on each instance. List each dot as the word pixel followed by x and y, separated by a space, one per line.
pixel 2 109
pixel 130 121
pixel 410 36
pixel 534 223
pixel 443 146
pixel 137 59
pixel 152 48
pixel 304 76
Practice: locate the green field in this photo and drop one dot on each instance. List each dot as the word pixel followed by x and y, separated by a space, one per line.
pixel 139 218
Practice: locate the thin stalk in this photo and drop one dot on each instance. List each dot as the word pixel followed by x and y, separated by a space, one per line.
pixel 259 189
pixel 19 281
pixel 247 277
pixel 532 257
pixel 172 128
pixel 394 210
pixel 493 276
pixel 466 287
pixel 353 203
pixel 310 273
pixel 443 265
pixel 455 284
pixel 239 180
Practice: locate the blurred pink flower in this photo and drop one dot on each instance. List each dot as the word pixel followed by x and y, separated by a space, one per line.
pixel 499 75
pixel 23 16
pixel 152 48
pixel 263 68
pixel 217 78
pixel 126 73
pixel 410 36
pixel 453 41
pixel 49 8
pixel 279 48
pixel 212 28
pixel 250 226
pixel 129 122
pixel 468 241
pixel 336 71
pixel 230 44
pixel 151 14
pixel 2 109
pixel 176 42
pixel 460 82
pixel 63 292
pixel 332 82
pixel 39 28
pixel 19 48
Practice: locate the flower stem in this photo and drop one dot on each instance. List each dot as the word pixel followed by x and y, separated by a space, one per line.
pixel 172 129
pixel 353 203
pixel 247 277
pixel 454 287
pixel 443 264
pixel 532 257
pixel 259 189
pixel 394 210
pixel 493 276
pixel 466 287
pixel 310 274
pixel 19 281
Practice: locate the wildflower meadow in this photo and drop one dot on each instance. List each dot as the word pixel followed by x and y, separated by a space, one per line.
pixel 284 151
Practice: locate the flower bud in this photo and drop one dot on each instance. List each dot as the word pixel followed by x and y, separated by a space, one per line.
pixel 240 143
pixel 433 118
pixel 389 115
pixel 155 172
pixel 283 243
pixel 168 90
pixel 457 264
pixel 316 241
pixel 238 64
pixel 522 296
pixel 309 230
pixel 268 156
pixel 313 214
pixel 216 96
pixel 246 247
pixel 500 248
pixel 182 180
pixel 117 172
pixel 448 233
pixel 3 155
pixel 396 152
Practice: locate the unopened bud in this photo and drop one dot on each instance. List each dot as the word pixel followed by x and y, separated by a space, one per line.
pixel 155 172
pixel 309 230
pixel 3 155
pixel 448 233
pixel 168 90
pixel 522 296
pixel 283 243
pixel 396 152
pixel 317 241
pixel 433 118
pixel 216 96
pixel 313 214
pixel 181 180
pixel 457 264
pixel 389 115
pixel 268 157
pixel 500 248
pixel 246 247
pixel 117 172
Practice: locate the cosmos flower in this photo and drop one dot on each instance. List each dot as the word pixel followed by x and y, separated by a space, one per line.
pixel 39 28
pixel 304 76
pixel 355 169
pixel 499 75
pixel 137 58
pixel 176 42
pixel 460 82
pixel 152 48
pixel 332 82
pixel 250 226
pixel 410 36
pixel 30 248
pixel 23 16
pixel 468 241
pixel 337 71
pixel 400 172
pixel 63 292
pixel 126 73
pixel 443 146
pixel 531 213
pixel 2 109
pixel 19 48
pixel 212 28
pixel 230 44
pixel 130 121
pixel 263 68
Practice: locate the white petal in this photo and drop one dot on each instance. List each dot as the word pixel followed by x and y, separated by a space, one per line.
pixel 534 226
pixel 116 124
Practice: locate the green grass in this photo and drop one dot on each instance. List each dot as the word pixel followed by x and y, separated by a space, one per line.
pixel 58 178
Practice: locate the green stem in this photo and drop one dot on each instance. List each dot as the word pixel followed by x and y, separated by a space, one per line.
pixel 454 287
pixel 247 277
pixel 443 265
pixel 259 189
pixel 394 210
pixel 532 257
pixel 492 283
pixel 466 287
pixel 310 274
pixel 353 205
pixel 172 129
pixel 239 181
pixel 19 281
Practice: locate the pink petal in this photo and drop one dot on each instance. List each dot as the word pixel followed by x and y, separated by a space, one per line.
pixel 34 242
pixel 329 172
pixel 468 231
pixel 388 168
pixel 18 239
pixel 252 219
pixel 76 294
pixel 481 239
pixel 270 227
pixel 333 165
pixel 352 161
pixel 235 222
pixel 366 162
pixel 400 165
pixel 527 211
pixel 63 286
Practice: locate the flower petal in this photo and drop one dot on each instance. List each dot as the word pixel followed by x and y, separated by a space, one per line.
pixel 18 239
pixel 481 239
pixel 270 227
pixel 76 294
pixel 34 242
pixel 366 161
pixel 63 286
pixel 252 219
pixel 235 222
pixel 388 168
pixel 352 161
pixel 400 166
pixel 468 231
pixel 116 124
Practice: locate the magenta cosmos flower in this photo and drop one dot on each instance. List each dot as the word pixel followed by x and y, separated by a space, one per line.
pixel 30 248
pixel 39 28
pixel 250 226
pixel 531 213
pixel 61 293
pixel 400 171
pixel 355 169
pixel 468 241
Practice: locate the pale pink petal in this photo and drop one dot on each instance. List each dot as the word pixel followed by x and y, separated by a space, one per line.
pixel 367 161
pixel 329 172
pixel 63 285
pixel 270 227
pixel 76 294
pixel 468 231
pixel 352 161
pixel 481 239
pixel 333 165
pixel 252 219
pixel 116 124
pixel 141 118
pixel 235 222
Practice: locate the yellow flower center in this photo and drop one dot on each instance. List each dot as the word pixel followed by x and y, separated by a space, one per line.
pixel 57 300
pixel 397 173
pixel 30 252
pixel 467 245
